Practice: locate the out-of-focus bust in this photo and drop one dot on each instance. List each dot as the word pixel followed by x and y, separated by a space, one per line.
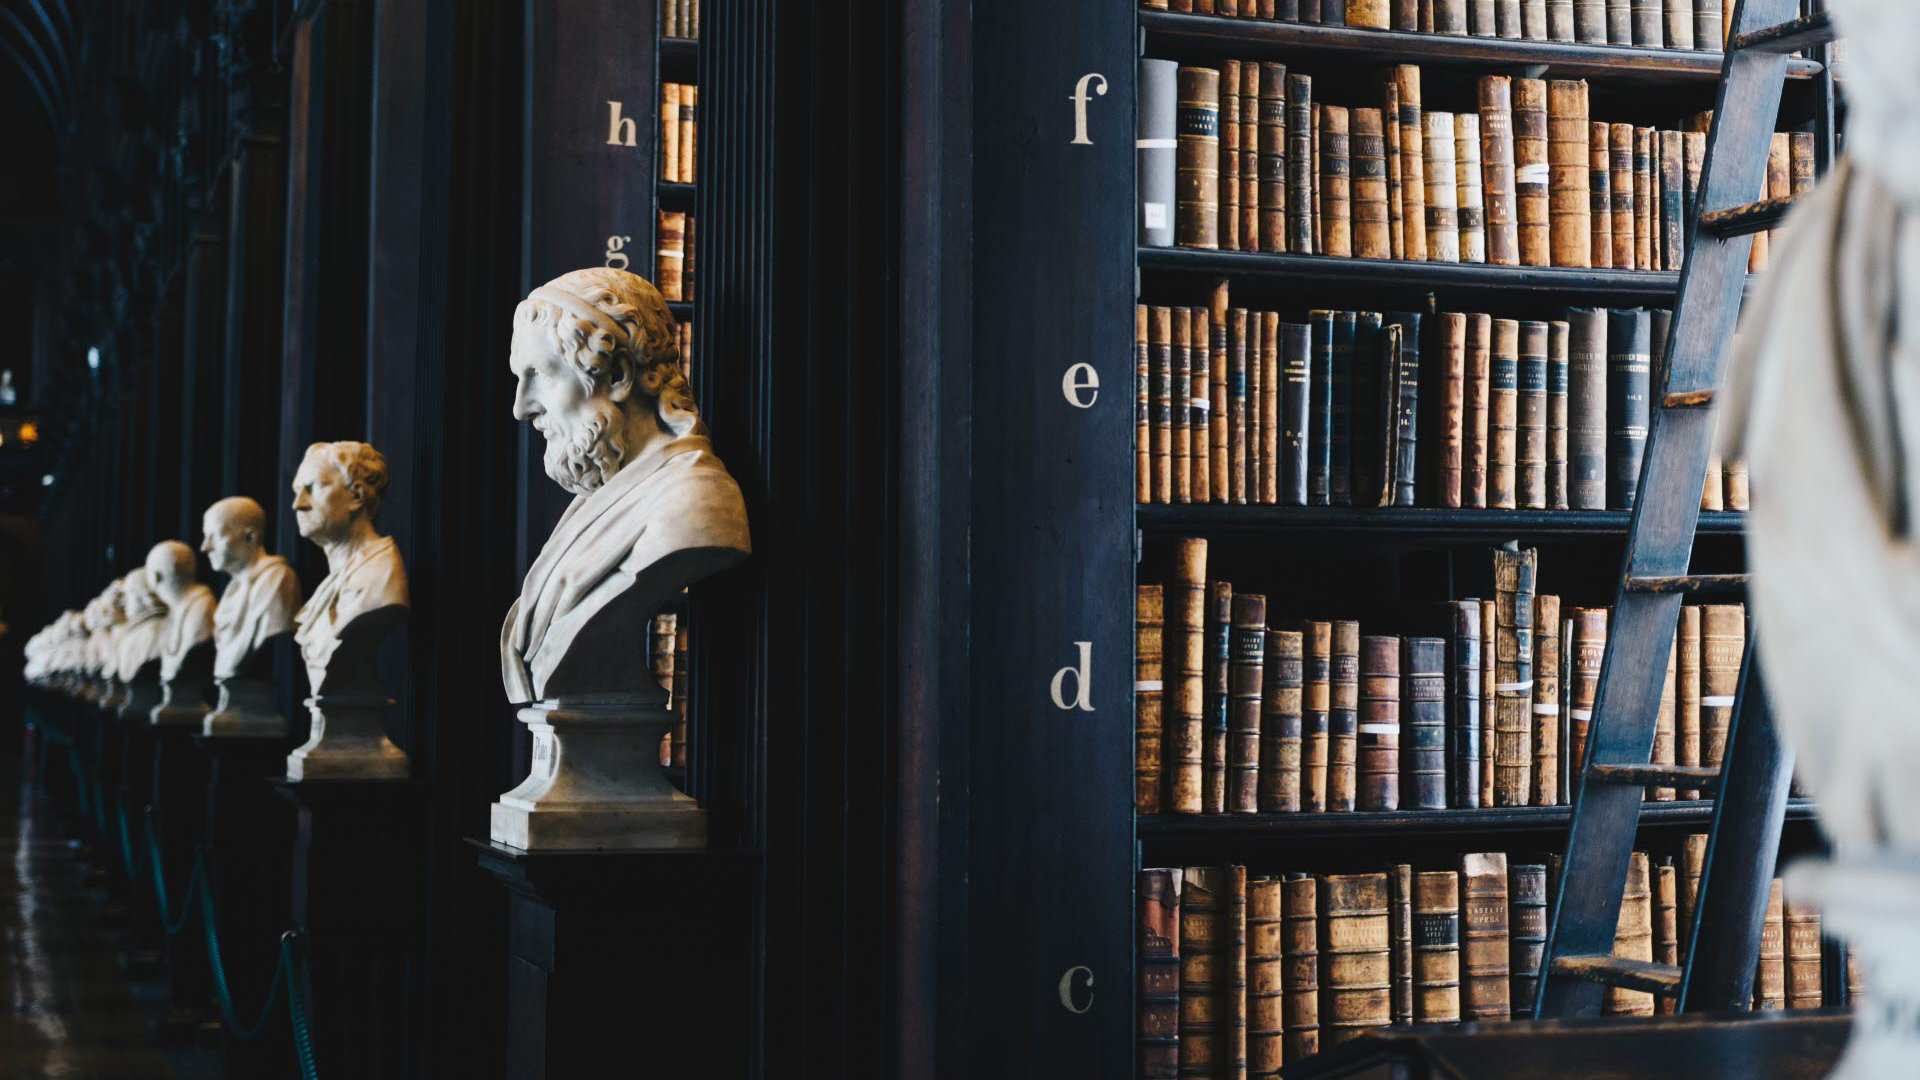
pixel 262 591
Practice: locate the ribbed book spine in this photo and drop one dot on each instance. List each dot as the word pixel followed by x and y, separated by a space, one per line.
pixel 1672 199
pixel 1230 156
pixel 1354 956
pixel 1247 664
pixel 1480 20
pixel 1619 22
pixel 1707 25
pixel 1369 388
pixel 1723 639
pixel 1238 432
pixel 1443 196
pixel 1235 1005
pixel 1569 174
pixel 1406 461
pixel 1620 155
pixel 1296 359
pixel 1266 977
pixel 1373 14
pixel 1470 190
pixel 1533 19
pixel 1197 159
pixel 1679 24
pixel 1589 649
pixel 1149 613
pixel 1213 797
pixel 1450 16
pixel 1336 197
pixel 1200 412
pixel 1436 947
pixel 1372 225
pixel 1464 703
pixel 1531 417
pixel 1513 578
pixel 1503 419
pixel 1160 344
pixel 1142 404
pixel 1475 434
pixel 1666 925
pixel 1663 722
pixel 1527 934
pixel 1644 211
pixel 1301 900
pixel 1343 714
pixel 1272 345
pixel 1590 21
pixel 1413 183
pixel 1489 698
pixel 1203 970
pixel 1546 700
pixel 1159 1003
pixel 1341 404
pixel 1803 957
pixel 1558 335
pixel 1154 150
pixel 672 256
pixel 1452 340
pixel 1497 169
pixel 1300 165
pixel 1629 378
pixel 1686 720
pixel 1180 404
pixel 1185 642
pixel 1633 938
pixel 1560 20
pixel 1390 138
pixel 1400 938
pixel 1424 719
pixel 1587 409
pixel 1379 764
pixel 1319 436
pixel 1531 170
pixel 1600 195
pixel 1507 20
pixel 1250 83
pixel 1484 963
pixel 1280 726
pixel 1273 157
pixel 1316 743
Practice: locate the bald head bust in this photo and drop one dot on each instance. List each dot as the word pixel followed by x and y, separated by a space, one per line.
pixel 171 571
pixel 262 590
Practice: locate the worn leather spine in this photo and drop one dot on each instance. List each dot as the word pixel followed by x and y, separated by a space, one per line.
pixel 1507 22
pixel 1316 741
pixel 1443 196
pixel 1513 578
pixel 1185 643
pixel 1678 23
pixel 1200 404
pixel 1450 16
pixel 1236 410
pixel 1300 165
pixel 1336 197
pixel 1489 699
pixel 1526 934
pixel 1148 692
pixel 1497 169
pixel 1629 392
pixel 1693 865
pixel 1319 432
pixel 1646 18
pixel 1530 417
pixel 1424 723
pixel 1503 415
pixel 1378 774
pixel 1295 403
pixel 1723 639
pixel 1590 21
pixel 1273 157
pixel 1270 349
pixel 1480 20
pixel 1475 432
pixel 1533 19
pixel 1569 156
pixel 672 256
pixel 1645 213
pixel 1245 680
pixel 1531 171
pixel 1469 187
pixel 1452 341
pixel 1589 649
pixel 1600 194
pixel 1485 966
pixel 1560 20
pixel 1158 1030
pixel 1619 22
pixel 1709 26
pixel 1663 723
pixel 1250 100
pixel 1143 427
pixel 1463 704
pixel 1340 408
pixel 1356 973
pixel 1686 720
pixel 1217 422
pixel 1160 343
pixel 1436 947
pixel 1672 178
pixel 1633 938
pixel 1343 713
pixel 1203 970
pixel 1803 956
pixel 1369 388
pixel 1180 402
pixel 1230 157
pixel 1257 460
pixel 1372 228
pixel 1300 897
pixel 1620 157
pixel 1236 981
pixel 1558 338
pixel 1280 723
pixel 1413 183
pixel 1197 159
pixel 1400 943
pixel 1546 700
pixel 1587 408
pixel 1266 978
pixel 1407 424
pixel 1666 925
pixel 1372 14
pixel 1219 644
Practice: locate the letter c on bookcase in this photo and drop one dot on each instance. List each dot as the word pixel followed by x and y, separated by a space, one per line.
pixel 1082 689
pixel 1078 973
pixel 1080 377
pixel 1080 100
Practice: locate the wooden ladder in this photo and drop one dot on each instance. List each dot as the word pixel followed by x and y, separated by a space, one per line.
pixel 1750 791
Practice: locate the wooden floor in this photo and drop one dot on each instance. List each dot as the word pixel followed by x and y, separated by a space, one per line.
pixel 72 1011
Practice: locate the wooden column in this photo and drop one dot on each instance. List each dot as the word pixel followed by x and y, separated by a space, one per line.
pixel 202 366
pixel 250 404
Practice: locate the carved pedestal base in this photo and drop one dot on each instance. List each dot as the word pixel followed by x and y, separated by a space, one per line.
pixel 245 708
pixel 349 741
pixel 596 783
pixel 1874 903
pixel 183 703
pixel 110 694
pixel 138 702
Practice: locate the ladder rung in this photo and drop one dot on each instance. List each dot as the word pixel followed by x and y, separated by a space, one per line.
pixel 1688 583
pixel 1787 37
pixel 1679 776
pixel 1620 972
pixel 1752 217
pixel 1687 399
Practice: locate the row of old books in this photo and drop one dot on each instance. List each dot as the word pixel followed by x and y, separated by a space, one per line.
pixel 673 262
pixel 1238 709
pixel 1238 406
pixel 1239 975
pixel 683 337
pixel 1247 160
pixel 679 131
pixel 667 648
pixel 680 18
pixel 1650 24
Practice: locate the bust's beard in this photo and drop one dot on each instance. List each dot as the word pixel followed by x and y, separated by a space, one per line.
pixel 582 457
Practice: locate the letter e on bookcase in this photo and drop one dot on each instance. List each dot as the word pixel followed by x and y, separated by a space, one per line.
pixel 1081 385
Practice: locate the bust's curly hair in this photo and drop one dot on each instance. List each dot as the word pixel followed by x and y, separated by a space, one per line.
pixel 635 340
pixel 361 466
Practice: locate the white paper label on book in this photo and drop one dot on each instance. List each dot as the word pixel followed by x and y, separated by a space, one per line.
pixel 1546 710
pixel 1143 686
pixel 1716 701
pixel 1532 174
pixel 1154 214
pixel 1513 687
pixel 1379 729
pixel 1581 714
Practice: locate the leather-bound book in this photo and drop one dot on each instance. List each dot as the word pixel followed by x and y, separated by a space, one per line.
pixel 1142 404
pixel 1236 981
pixel 1270 350
pixel 1569 156
pixel 1217 413
pixel 1180 400
pixel 1436 947
pixel 1708 29
pixel 1647 30
pixel 1678 23
pixel 1266 977
pixel 689 131
pixel 1800 161
pixel 1205 1025
pixel 1503 418
pixel 1159 1002
pixel 1406 13
pixel 1343 715
pixel 1463 704
pixel 1633 938
pixel 1407 406
pixel 1497 169
pixel 1567 654
pixel 1185 644
pixel 1369 389
pixel 1506 18
pixel 1450 16
pixel 1400 942
pixel 1560 20
pixel 1316 744
pixel 1443 195
pixel 1723 640
pixel 1693 866
pixel 1663 723
pixel 1737 494
pixel 1686 719
pixel 1770 973
pixel 670 131
pixel 1319 436
pixel 1474 434
pixel 1336 200
pixel 1803 957
pixel 1452 368
pixel 1238 339
pixel 1372 14
pixel 1378 774
pixel 1693 156
pixel 1620 156
pixel 1485 993
pixel 1356 972
pixel 1856 980
pixel 1196 221
pixel 1531 417
pixel 1672 179
pixel 1489 698
pixel 1300 897
pixel 1587 408
pixel 1600 194
pixel 1160 344
pixel 1230 155
pixel 1219 646
pixel 1558 336
pixel 1300 164
pixel 1413 173
pixel 1319 219
pixel 1256 415
pixel 1590 21
pixel 1340 409
pixel 1273 157
pixel 1148 614
pixel 1644 210
pixel 1159 97
pixel 1245 679
pixel 1629 389
pixel 1513 581
pixel 1531 171
pixel 1372 232
pixel 1527 934
pixel 1250 93
pixel 1396 197
pixel 1280 725
pixel 1619 22
pixel 1296 361
pixel 1666 925
pixel 1546 700
pixel 672 256
pixel 1469 187
pixel 1480 20
pixel 1589 649
pixel 1200 407
pixel 1533 19
pixel 1424 723
pixel 1779 180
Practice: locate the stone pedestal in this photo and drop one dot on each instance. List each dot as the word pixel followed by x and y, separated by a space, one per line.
pixel 348 741
pixel 183 703
pixel 613 951
pixel 597 783
pixel 179 799
pixel 246 708
pixel 141 697
pixel 110 695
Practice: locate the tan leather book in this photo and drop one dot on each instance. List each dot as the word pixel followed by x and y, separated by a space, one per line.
pixel 1559 371
pixel 1390 138
pixel 1336 196
pixel 1300 165
pixel 1531 171
pixel 1239 417
pixel 1270 407
pixel 1185 644
pixel 670 131
pixel 1497 169
pixel 1372 228
pixel 1527 934
pixel 1343 713
pixel 661 648
pixel 1160 341
pixel 1236 983
pixel 1488 699
pixel 689 131
pixel 1723 639
pixel 1737 496
pixel 1378 772
pixel 1246 666
pixel 1400 937
pixel 1600 193
pixel 1513 581
pixel 1770 975
pixel 1856 981
pixel 1280 724
pixel 1570 211
pixel 1686 719
pixel 1316 747
pixel 1469 187
pixel 1477 408
pixel 1779 182
pixel 1205 970
pixel 1196 219
pixel 1803 957
pixel 1485 993
pixel 1250 94
pixel 1230 156
pixel 1443 195
pixel 1503 417
pixel 1180 405
pixel 1436 947
pixel 1589 650
pixel 1216 726
pixel 1800 162
pixel 1142 406
pixel 1158 1029
pixel 1273 157
pixel 1220 486
pixel 1356 976
pixel 1530 417
pixel 1266 977
pixel 1546 700
pixel 1666 926
pixel 1620 154
pixel 1413 172
pixel 1372 14
pixel 671 258
pixel 1453 419
pixel 1149 613
pixel 1663 723
pixel 1693 865
pixel 1633 938
pixel 1302 940
pixel 681 683
pixel 1200 405
pixel 1644 213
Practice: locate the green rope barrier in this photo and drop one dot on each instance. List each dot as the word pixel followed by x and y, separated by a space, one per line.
pixel 172 925
pixel 299 1015
pixel 134 865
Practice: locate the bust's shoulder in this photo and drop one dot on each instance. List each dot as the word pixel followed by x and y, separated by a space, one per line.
pixel 695 500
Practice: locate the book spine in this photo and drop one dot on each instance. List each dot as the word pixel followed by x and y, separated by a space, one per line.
pixel 1647 30
pixel 1300 165
pixel 1464 703
pixel 672 255
pixel 1707 26
pixel 1666 925
pixel 1558 334
pixel 1180 405
pixel 1316 741
pixel 1507 22
pixel 1485 992
pixel 1217 412
pixel 1620 155
pixel 1237 404
pixel 1693 864
pixel 1503 414
pixel 1336 204
pixel 1203 970
pixel 1803 957
pixel 1271 347
pixel 1250 90
pixel 1396 194
pixel 1723 640
pixel 1246 667
pixel 1589 649
pixel 1200 405
pixel 1513 577
pixel 1569 174
pixel 1235 1005
pixel 1633 938
pixel 1219 644
pixel 1159 1002
pixel 1160 343
pixel 1230 157
pixel 1470 189
pixel 1560 20
pixel 1378 777
pixel 1619 22
pixel 1302 908
pixel 1436 947
pixel 1489 699
pixel 1531 417
pixel 689 131
pixel 1800 164
pixel 1413 183
pixel 1425 722
pixel 1356 975
pixel 1531 171
pixel 1629 377
pixel 1497 169
pixel 1453 407
pixel 1533 19
pixel 1450 16
pixel 1473 484
pixel 1600 194
pixel 1185 644
pixel 1149 613
pixel 1645 212
pixel 1143 399
pixel 1679 24
pixel 1372 226
pixel 1368 388
pixel 1672 200
pixel 1280 760
pixel 1686 721
pixel 1197 159
pixel 1340 409
pixel 1587 409
pixel 1407 410
pixel 1257 460
pixel 1296 358
pixel 1372 14
pixel 1663 722
pixel 1590 21
pixel 1343 714
pixel 670 131
pixel 1527 934
pixel 1319 432
pixel 1400 938
pixel 1443 197
pixel 1159 109
pixel 1266 977
pixel 1273 157
pixel 1480 20
pixel 1546 700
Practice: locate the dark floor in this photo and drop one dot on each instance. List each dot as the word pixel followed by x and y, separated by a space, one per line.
pixel 72 1010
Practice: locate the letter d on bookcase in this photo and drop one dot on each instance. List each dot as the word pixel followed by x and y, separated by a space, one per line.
pixel 1079 673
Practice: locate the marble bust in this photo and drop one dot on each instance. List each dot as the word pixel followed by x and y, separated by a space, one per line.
pixel 597 373
pixel 185 639
pixel 262 591
pixel 336 500
pixel 137 648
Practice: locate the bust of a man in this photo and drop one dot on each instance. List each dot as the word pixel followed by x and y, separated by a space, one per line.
pixel 106 614
pixel 139 640
pixel 336 499
pixel 598 375
pixel 170 569
pixel 262 590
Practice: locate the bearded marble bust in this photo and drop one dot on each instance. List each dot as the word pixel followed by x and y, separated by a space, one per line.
pixel 598 374
pixel 262 591
pixel 336 499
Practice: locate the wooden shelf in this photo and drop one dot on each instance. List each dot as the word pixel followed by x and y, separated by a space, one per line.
pixel 675 195
pixel 679 59
pixel 682 309
pixel 1652 285
pixel 1408 522
pixel 1164 829
pixel 1213 35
